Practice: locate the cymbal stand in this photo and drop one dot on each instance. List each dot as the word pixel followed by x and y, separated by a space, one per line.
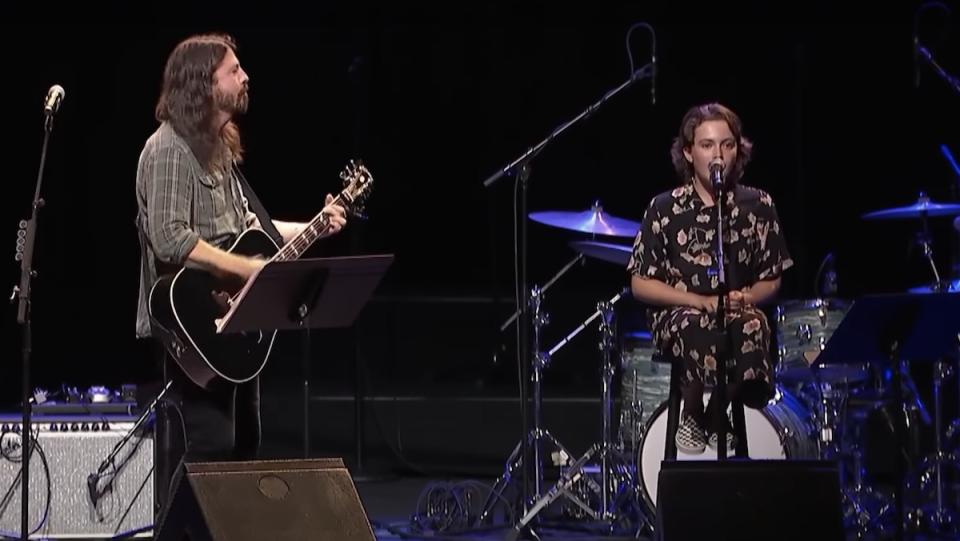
pixel 940 519
pixel 546 286
pixel 617 479
pixel 954 428
pixel 869 510
pixel 923 238
pixel 829 409
pixel 537 434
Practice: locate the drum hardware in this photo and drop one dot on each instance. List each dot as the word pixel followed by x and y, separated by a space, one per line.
pixel 937 517
pixel 593 221
pixel 868 512
pixel 543 289
pixel 804 329
pixel 617 479
pixel 537 434
pixel 645 384
pixel 866 509
pixel 923 209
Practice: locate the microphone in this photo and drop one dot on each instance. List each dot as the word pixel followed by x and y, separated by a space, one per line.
pixel 54 96
pixel 716 173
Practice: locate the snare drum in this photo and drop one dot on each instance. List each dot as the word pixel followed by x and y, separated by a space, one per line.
pixel 782 430
pixel 803 329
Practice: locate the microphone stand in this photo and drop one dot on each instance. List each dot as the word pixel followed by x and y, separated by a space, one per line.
pixel 93 491
pixel 952 81
pixel 520 169
pixel 25 251
pixel 724 348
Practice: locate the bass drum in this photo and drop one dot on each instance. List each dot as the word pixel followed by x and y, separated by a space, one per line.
pixel 782 430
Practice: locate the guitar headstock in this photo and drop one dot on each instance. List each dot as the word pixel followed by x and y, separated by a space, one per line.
pixel 357 184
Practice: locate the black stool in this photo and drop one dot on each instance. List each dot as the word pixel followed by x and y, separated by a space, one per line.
pixel 673 412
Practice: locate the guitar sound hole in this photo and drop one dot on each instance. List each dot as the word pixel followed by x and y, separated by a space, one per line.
pixel 222 300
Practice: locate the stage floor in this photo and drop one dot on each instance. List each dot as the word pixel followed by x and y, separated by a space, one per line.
pixel 391 504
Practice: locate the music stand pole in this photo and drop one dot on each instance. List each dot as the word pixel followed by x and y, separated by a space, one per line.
pixel 303 310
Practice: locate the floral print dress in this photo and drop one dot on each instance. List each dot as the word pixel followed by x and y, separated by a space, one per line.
pixel 676 244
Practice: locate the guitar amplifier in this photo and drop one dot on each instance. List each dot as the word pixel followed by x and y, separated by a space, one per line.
pixel 69 448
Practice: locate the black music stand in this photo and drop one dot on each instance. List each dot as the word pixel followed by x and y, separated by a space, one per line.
pixel 887 328
pixel 304 294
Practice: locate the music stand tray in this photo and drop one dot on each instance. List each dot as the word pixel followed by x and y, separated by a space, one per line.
pixel 922 327
pixel 323 293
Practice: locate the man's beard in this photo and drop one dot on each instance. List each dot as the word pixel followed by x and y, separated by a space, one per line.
pixel 232 103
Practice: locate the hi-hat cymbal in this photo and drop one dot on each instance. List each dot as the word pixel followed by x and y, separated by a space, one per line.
pixel 923 207
pixel 593 220
pixel 618 254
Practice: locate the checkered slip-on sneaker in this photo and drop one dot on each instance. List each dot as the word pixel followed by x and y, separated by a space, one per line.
pixel 731 439
pixel 691 439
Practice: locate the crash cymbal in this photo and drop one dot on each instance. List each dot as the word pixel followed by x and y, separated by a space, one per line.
pixel 948 287
pixel 618 254
pixel 593 220
pixel 923 207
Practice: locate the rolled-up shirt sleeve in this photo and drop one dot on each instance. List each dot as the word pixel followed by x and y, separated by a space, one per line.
pixel 169 193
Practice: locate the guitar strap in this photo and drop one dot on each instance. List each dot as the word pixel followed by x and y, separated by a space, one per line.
pixel 265 222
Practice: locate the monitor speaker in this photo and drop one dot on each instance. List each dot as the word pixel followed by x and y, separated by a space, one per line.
pixel 749 499
pixel 278 500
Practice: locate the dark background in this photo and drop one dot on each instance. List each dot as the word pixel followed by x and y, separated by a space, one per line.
pixel 434 103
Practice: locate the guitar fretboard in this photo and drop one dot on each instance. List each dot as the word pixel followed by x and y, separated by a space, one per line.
pixel 317 227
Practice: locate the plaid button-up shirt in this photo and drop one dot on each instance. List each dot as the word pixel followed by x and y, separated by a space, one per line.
pixel 178 204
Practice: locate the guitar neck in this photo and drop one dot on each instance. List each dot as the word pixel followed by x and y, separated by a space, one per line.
pixel 313 231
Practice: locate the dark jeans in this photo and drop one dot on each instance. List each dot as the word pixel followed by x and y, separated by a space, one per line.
pixel 194 424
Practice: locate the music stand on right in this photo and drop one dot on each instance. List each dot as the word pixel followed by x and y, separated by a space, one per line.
pixel 883 329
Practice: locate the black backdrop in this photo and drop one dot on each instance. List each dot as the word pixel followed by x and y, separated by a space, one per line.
pixel 434 104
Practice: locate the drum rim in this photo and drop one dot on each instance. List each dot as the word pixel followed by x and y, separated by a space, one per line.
pixel 645 492
pixel 812 303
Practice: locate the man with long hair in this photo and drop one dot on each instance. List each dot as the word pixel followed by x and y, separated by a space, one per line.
pixel 674 270
pixel 191 207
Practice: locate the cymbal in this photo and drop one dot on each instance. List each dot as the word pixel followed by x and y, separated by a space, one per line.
pixel 949 287
pixel 640 336
pixel 618 254
pixel 593 220
pixel 923 207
